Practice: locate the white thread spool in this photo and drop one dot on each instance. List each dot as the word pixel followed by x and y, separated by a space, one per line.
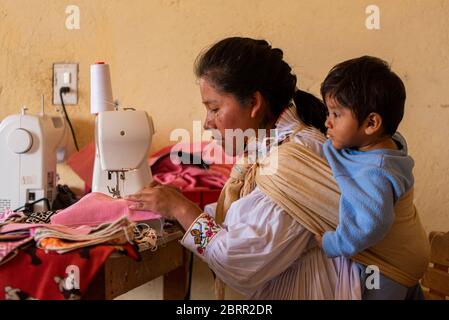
pixel 100 88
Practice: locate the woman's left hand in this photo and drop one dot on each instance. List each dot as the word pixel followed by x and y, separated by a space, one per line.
pixel 167 201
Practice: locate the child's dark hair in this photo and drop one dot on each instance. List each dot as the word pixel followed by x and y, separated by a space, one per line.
pixel 242 66
pixel 367 85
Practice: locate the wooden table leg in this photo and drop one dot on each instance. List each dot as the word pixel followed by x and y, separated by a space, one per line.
pixel 176 282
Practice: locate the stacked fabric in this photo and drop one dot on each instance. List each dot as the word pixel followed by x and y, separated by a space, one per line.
pixel 43 244
pixel 115 233
pixel 95 219
pixel 62 239
pixel 49 254
pixel 13 236
pixel 97 208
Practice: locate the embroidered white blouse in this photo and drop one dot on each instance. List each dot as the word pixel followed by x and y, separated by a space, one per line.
pixel 263 253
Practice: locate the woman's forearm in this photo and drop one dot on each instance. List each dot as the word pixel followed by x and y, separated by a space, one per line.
pixel 187 215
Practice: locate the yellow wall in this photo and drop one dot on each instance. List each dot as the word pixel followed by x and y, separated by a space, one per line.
pixel 151 46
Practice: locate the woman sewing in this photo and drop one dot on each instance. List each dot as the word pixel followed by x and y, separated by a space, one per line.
pixel 259 237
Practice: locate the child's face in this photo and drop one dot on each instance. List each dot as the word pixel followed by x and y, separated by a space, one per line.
pixel 342 126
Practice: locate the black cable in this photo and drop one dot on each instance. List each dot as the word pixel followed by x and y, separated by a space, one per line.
pixel 61 91
pixel 31 204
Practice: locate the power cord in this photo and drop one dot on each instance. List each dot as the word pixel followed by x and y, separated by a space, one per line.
pixel 29 207
pixel 62 91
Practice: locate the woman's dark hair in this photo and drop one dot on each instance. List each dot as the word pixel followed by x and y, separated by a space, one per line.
pixel 243 66
pixel 366 85
pixel 311 110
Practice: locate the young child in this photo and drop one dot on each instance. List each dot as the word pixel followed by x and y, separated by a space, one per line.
pixel 369 160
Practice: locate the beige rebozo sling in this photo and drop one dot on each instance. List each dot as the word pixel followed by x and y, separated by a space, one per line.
pixel 302 184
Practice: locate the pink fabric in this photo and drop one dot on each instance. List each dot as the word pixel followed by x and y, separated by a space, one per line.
pixel 190 177
pixel 187 177
pixel 8 247
pixel 97 208
pixel 8 213
pixel 15 227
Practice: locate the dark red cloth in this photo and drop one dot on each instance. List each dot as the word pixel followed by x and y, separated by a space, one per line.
pixel 35 274
pixel 202 197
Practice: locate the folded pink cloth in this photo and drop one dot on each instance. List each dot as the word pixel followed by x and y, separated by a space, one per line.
pixel 191 176
pixel 97 208
pixel 187 177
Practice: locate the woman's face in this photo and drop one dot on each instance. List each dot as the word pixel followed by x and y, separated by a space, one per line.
pixel 226 114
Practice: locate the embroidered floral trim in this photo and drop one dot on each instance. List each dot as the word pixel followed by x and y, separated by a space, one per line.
pixel 201 232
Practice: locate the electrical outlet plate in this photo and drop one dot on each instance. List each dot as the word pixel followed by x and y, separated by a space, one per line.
pixel 65 75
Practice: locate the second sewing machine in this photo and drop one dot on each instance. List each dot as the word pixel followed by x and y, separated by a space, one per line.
pixel 31 145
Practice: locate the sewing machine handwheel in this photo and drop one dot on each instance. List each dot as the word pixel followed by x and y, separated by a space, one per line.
pixel 20 141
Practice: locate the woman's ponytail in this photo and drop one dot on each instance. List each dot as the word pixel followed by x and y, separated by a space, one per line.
pixel 311 110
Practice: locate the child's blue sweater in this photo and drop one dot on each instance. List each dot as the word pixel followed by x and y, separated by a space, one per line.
pixel 370 184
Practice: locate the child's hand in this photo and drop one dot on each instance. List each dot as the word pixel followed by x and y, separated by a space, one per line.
pixel 319 240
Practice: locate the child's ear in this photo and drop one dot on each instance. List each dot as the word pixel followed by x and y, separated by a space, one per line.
pixel 256 104
pixel 373 123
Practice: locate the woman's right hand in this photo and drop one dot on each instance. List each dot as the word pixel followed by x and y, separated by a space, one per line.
pixel 169 202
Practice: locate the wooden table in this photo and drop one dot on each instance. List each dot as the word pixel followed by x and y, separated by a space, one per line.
pixel 121 274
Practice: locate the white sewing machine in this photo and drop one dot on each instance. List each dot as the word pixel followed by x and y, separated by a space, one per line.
pixel 29 144
pixel 122 141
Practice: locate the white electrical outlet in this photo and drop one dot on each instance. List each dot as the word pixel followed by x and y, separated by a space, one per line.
pixel 65 75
